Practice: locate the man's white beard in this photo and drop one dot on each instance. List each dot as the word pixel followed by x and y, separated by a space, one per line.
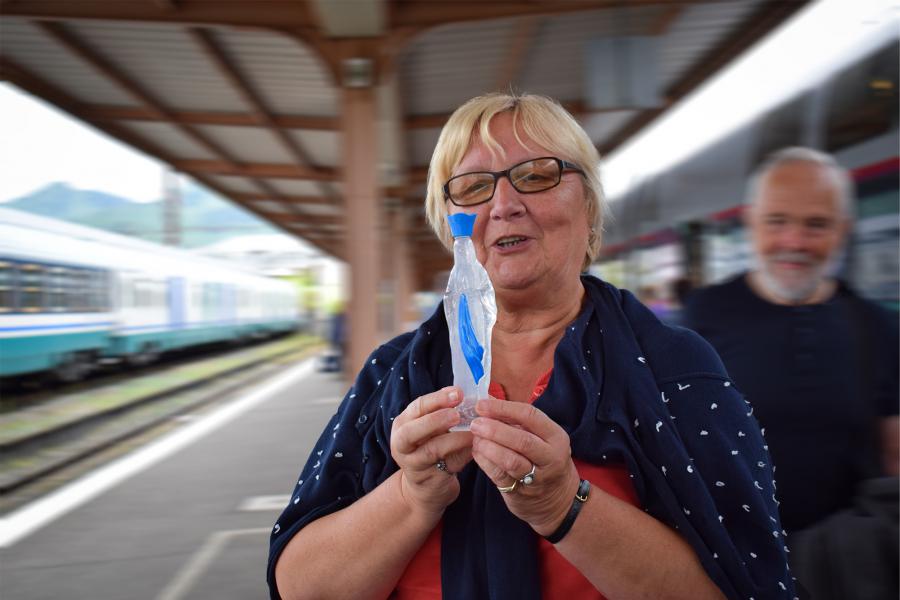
pixel 800 289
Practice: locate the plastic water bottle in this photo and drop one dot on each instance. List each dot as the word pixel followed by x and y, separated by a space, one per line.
pixel 471 311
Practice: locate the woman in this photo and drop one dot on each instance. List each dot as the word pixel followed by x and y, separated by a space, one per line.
pixel 614 459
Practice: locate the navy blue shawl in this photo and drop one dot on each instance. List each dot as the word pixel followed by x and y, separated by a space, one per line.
pixel 628 390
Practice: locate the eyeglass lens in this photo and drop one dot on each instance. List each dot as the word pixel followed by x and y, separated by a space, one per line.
pixel 528 177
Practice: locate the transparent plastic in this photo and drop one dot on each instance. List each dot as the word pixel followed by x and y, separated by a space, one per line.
pixel 471 310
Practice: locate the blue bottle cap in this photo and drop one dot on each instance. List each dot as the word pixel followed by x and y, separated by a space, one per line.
pixel 461 224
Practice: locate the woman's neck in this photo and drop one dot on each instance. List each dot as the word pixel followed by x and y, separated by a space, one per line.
pixel 522 318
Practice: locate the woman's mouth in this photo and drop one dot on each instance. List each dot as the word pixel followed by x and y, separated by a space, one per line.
pixel 510 241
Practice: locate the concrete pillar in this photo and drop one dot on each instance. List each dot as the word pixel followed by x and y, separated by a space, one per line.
pixel 360 180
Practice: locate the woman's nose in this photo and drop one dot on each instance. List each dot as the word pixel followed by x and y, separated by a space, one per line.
pixel 507 202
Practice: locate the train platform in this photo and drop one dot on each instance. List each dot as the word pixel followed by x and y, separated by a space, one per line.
pixel 187 516
pixel 39 437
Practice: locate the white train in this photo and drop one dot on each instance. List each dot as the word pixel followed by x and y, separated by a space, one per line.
pixel 71 296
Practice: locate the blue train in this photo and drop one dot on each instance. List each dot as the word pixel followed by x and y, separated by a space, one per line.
pixel 72 296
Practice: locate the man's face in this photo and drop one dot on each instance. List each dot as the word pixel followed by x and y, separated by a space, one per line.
pixel 797 225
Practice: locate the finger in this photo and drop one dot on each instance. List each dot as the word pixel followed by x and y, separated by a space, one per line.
pixel 519 413
pixel 494 472
pixel 443 398
pixel 454 448
pixel 512 463
pixel 517 440
pixel 407 437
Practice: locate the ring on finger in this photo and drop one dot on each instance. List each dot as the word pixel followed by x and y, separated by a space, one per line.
pixel 509 488
pixel 441 465
pixel 528 478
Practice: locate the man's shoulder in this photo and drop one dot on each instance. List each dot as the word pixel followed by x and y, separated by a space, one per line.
pixel 735 287
pixel 717 304
pixel 866 306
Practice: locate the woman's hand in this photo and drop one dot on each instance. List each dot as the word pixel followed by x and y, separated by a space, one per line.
pixel 419 440
pixel 510 438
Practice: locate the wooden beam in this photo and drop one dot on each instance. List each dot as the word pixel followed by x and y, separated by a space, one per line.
pixel 257 170
pixel 141 113
pixel 288 199
pixel 22 78
pixel 417 174
pixel 413 13
pixel 578 108
pixel 227 68
pixel 516 53
pixel 754 28
pixel 274 14
pixel 329 248
pixel 73 44
pixel 666 17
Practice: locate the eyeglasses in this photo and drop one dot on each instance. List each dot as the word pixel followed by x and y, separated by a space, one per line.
pixel 529 177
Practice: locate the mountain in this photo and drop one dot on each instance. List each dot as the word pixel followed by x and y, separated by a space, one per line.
pixel 205 218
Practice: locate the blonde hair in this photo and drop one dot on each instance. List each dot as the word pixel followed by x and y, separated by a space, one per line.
pixel 544 122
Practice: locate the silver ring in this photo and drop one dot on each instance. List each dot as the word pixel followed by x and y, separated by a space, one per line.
pixel 441 466
pixel 528 479
pixel 509 488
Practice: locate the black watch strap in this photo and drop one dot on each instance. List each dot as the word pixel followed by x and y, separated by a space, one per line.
pixel 581 496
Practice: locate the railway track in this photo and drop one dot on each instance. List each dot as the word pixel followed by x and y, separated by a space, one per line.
pixel 46 445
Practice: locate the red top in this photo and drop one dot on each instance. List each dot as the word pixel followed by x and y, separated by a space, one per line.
pixel 559 579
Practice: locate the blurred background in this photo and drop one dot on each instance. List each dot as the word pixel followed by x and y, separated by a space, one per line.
pixel 211 212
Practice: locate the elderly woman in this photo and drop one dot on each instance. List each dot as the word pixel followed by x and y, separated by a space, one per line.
pixel 614 458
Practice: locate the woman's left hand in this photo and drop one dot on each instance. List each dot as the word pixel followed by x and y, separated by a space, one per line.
pixel 510 438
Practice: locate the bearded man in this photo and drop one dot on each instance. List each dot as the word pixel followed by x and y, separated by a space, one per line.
pixel 817 363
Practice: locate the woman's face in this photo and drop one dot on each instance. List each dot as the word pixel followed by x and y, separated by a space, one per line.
pixel 552 226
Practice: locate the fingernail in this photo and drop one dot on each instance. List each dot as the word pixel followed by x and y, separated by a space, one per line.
pixel 454 396
pixel 476 426
pixel 481 407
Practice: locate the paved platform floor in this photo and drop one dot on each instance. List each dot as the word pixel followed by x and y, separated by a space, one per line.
pixel 193 525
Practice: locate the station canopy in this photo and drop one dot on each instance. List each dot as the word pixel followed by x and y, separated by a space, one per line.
pixel 245 96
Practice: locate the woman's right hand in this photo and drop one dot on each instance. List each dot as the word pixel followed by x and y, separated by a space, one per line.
pixel 419 439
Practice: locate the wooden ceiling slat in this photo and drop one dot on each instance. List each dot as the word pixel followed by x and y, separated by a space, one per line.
pixel 257 170
pixel 259 13
pixel 76 46
pixel 207 42
pixel 427 13
pixel 522 39
pixel 31 83
pixel 226 67
pixel 665 19
pixel 578 108
pixel 141 113
pixel 291 199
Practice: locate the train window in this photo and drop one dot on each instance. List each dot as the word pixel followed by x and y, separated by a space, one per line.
pixel 7 286
pixel 57 284
pixel 32 295
pixel 98 299
pixel 79 290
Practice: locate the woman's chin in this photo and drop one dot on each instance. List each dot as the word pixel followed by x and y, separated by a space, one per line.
pixel 514 277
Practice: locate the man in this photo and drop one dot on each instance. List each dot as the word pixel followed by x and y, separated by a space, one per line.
pixel 817 363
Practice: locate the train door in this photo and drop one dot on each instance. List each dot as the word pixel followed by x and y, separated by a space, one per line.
pixel 176 302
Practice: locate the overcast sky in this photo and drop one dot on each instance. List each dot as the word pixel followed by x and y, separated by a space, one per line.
pixel 40 145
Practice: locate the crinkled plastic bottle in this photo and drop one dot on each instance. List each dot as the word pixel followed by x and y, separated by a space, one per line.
pixel 471 311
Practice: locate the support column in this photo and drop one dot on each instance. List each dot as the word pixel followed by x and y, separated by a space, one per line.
pixel 360 179
pixel 403 285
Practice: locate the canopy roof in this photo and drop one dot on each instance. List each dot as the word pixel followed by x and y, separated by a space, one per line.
pixel 245 95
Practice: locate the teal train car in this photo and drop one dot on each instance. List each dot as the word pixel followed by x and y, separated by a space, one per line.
pixel 72 296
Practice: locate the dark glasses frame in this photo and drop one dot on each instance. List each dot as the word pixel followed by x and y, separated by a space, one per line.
pixel 563 166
